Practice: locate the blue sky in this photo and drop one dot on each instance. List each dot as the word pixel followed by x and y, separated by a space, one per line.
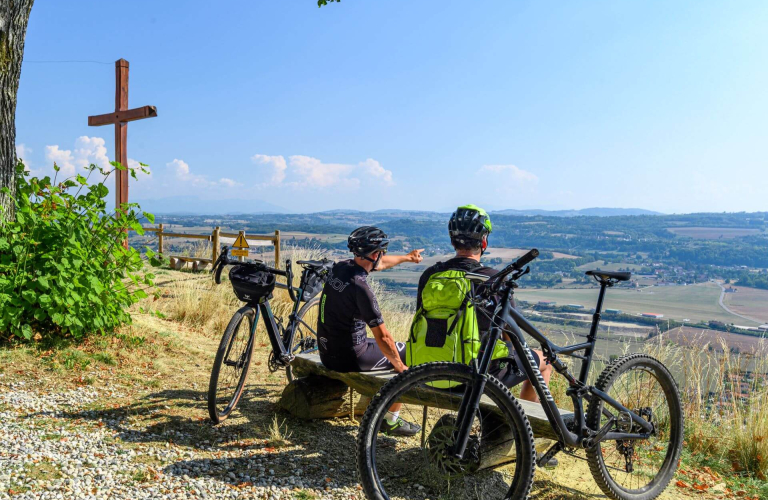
pixel 414 105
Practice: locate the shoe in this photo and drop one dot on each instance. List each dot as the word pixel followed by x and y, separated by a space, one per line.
pixel 549 465
pixel 399 428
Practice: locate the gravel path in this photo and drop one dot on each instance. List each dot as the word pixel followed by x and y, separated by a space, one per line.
pixel 53 447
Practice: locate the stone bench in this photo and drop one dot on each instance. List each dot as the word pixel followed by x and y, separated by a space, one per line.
pixel 322 393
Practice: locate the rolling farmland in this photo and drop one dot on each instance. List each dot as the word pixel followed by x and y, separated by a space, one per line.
pixel 694 302
pixel 750 302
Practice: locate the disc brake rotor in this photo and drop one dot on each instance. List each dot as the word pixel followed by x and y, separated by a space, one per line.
pixel 439 447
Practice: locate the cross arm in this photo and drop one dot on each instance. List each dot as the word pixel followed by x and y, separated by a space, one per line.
pixel 128 115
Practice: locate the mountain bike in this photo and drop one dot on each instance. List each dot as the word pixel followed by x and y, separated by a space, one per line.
pixel 253 283
pixel 632 430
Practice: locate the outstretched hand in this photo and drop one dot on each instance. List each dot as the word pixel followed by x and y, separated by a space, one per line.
pixel 415 256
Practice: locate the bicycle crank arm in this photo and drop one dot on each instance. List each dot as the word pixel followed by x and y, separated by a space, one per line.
pixel 591 442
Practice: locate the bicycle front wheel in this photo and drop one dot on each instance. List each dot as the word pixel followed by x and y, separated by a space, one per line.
pixel 230 368
pixel 637 469
pixel 305 335
pixel 498 462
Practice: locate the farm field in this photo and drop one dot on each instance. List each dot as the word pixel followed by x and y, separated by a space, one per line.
pixel 751 302
pixel 608 266
pixel 694 302
pixel 410 273
pixel 713 233
pixel 698 338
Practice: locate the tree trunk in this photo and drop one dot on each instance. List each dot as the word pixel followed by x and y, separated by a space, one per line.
pixel 14 17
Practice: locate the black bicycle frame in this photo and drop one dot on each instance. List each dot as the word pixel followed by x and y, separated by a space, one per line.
pixel 280 345
pixel 515 324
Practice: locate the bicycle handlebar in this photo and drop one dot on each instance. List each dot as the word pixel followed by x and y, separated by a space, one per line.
pixel 494 283
pixel 224 260
pixel 525 259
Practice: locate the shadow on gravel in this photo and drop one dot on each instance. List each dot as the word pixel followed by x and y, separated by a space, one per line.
pixel 327 461
pixel 319 453
pixel 180 416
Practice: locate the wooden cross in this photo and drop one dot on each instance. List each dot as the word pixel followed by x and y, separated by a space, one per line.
pixel 120 119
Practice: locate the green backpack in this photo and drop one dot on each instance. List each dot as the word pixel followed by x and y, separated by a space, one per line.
pixel 445 326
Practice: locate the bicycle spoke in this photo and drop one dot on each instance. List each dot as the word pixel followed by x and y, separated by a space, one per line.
pixel 425 461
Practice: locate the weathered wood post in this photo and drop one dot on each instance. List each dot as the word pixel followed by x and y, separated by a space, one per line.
pixel 160 248
pixel 277 249
pixel 215 244
pixel 242 235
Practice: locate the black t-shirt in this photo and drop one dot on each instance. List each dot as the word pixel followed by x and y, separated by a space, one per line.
pixel 346 307
pixel 462 264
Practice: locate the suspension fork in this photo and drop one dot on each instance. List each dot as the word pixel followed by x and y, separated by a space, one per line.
pixel 470 403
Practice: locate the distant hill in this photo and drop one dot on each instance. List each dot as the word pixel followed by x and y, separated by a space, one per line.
pixel 593 212
pixel 191 205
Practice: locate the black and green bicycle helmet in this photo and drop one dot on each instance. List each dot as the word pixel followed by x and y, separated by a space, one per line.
pixel 469 222
pixel 367 239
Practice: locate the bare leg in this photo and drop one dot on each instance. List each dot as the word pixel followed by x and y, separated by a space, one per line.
pixel 528 392
pixel 395 407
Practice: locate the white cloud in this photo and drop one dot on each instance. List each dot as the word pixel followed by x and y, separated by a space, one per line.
pixel 306 172
pixel 224 181
pixel 511 173
pixel 276 163
pixel 87 151
pixel 23 153
pixel 181 170
pixel 313 173
pixel 375 169
pixel 180 167
pixel 63 158
pixel 90 150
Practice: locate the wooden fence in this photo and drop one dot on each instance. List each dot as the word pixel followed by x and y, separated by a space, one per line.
pixel 214 238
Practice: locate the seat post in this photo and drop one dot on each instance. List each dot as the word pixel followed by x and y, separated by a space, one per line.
pixel 592 337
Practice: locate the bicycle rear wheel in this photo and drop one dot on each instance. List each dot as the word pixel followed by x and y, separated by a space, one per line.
pixel 230 368
pixel 305 336
pixel 498 463
pixel 637 469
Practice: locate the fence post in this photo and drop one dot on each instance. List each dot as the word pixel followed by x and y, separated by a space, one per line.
pixel 160 239
pixel 215 244
pixel 277 248
pixel 242 233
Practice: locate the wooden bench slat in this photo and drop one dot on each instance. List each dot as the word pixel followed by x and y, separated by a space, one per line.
pixel 191 259
pixel 369 383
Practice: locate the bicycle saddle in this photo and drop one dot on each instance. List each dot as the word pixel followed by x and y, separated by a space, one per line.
pixel 612 275
pixel 480 278
pixel 314 263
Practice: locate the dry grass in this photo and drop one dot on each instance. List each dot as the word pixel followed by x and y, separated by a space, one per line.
pixel 279 435
pixel 726 414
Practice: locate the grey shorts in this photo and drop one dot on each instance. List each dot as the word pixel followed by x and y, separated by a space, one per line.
pixel 510 371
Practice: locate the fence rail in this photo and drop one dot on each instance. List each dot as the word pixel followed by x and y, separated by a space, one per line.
pixel 214 238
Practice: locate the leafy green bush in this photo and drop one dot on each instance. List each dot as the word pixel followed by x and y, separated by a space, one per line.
pixel 63 269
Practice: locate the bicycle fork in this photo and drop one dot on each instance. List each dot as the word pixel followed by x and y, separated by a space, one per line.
pixel 470 403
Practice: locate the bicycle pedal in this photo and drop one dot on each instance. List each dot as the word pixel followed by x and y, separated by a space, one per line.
pixel 550 453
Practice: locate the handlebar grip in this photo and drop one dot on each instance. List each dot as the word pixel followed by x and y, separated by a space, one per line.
pixel 289 279
pixel 217 276
pixel 525 259
pixel 218 266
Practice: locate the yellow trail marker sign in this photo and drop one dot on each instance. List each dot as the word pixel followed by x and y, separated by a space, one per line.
pixel 240 242
pixel 240 246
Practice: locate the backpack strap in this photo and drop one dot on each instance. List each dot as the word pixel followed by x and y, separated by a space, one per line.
pixel 459 314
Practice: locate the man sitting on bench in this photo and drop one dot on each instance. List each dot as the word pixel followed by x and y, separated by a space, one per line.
pixel 469 228
pixel 348 304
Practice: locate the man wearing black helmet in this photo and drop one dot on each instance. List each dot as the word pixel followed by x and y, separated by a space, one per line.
pixel 348 304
